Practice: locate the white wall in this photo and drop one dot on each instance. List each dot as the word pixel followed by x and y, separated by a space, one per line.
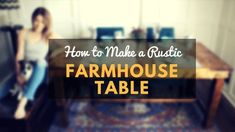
pixel 3 20
pixel 123 13
pixel 199 18
pixel 225 46
pixel 72 18
pixel 8 17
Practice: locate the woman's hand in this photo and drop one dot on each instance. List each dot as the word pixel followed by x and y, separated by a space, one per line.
pixel 21 80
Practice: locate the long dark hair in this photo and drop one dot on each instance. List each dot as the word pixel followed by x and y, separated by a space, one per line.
pixel 46 32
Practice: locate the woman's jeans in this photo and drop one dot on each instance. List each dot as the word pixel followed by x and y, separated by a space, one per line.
pixel 31 86
pixel 35 80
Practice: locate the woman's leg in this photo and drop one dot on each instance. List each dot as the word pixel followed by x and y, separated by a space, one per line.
pixel 30 89
pixel 20 111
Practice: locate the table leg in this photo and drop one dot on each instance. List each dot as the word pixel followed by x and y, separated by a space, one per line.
pixel 214 103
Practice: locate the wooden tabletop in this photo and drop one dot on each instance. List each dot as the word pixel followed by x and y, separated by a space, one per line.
pixel 211 65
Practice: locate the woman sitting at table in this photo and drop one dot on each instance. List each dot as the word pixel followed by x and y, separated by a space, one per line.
pixel 33 48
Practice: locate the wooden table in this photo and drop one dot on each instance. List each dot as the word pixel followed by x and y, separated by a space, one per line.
pixel 212 68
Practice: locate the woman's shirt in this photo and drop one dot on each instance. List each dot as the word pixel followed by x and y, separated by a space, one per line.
pixel 36 51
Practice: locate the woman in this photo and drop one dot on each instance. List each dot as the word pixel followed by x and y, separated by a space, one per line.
pixel 33 47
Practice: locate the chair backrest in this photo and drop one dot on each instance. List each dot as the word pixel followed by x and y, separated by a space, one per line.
pixel 7 57
pixel 108 32
pixel 150 34
pixel 167 32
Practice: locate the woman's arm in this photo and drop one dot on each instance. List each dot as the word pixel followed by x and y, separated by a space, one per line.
pixel 20 49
